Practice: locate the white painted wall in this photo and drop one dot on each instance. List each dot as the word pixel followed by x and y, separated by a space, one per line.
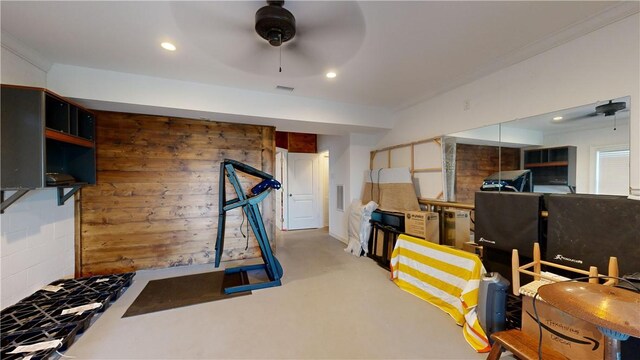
pixel 37 235
pixel 17 71
pixel 227 104
pixel 324 186
pixel 37 244
pixel 338 147
pixel 600 65
pixel 360 149
pixel 348 160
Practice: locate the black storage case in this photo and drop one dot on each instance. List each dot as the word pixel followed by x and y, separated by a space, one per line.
pixel 585 230
pixel 507 221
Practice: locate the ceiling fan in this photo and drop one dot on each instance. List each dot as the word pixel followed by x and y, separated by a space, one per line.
pixel 321 34
pixel 275 24
pixel 604 110
pixel 611 108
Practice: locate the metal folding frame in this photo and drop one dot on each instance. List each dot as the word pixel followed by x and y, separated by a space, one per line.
pixel 249 205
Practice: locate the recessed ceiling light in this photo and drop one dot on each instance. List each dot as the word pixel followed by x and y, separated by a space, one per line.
pixel 557 118
pixel 168 46
pixel 331 74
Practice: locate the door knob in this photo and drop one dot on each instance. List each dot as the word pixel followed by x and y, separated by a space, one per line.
pixel 290 195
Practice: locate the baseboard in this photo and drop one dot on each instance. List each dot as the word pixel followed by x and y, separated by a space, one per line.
pixel 341 238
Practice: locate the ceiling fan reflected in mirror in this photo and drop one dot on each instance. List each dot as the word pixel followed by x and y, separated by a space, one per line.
pixel 610 108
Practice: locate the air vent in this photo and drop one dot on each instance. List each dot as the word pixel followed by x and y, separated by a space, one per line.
pixel 340 197
pixel 285 88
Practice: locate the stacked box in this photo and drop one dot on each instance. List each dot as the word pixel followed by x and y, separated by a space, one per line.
pixel 423 224
pixel 45 315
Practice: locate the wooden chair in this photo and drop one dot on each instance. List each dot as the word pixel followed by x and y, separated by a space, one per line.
pixel 537 263
pixel 521 345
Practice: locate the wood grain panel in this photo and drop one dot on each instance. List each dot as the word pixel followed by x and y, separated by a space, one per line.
pixel 268 165
pixel 297 142
pixel 155 203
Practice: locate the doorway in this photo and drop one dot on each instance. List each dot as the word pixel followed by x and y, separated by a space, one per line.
pixel 281 195
pixel 303 202
pixel 303 191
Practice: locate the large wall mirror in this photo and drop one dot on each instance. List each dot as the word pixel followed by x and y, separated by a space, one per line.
pixel 583 150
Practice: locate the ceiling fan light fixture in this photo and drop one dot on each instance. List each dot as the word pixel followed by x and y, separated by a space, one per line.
pixel 557 118
pixel 275 23
pixel 331 75
pixel 168 46
pixel 274 37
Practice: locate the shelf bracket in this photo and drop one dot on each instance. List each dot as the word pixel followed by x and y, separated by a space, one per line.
pixel 5 203
pixel 62 197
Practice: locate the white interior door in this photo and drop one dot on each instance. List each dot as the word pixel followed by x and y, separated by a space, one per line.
pixel 303 186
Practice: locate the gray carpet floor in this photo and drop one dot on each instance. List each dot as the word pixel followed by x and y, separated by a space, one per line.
pixel 331 306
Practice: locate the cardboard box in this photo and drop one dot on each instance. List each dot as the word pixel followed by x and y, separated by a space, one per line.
pixel 457 226
pixel 423 224
pixel 572 337
pixel 472 248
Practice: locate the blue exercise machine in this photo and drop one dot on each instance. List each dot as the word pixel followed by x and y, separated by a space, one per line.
pixel 249 205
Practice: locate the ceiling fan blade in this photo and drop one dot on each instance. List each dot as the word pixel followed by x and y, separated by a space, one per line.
pixel 303 52
pixel 338 19
pixel 223 22
pixel 257 57
pixel 328 34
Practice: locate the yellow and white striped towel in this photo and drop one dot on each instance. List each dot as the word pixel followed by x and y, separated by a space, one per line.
pixel 445 277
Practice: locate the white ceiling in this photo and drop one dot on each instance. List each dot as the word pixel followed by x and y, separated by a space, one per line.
pixel 389 54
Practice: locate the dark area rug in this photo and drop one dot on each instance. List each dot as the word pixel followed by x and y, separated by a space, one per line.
pixel 186 290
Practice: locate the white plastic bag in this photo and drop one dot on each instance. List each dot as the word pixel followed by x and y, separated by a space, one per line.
pixel 359 227
pixel 365 225
pixel 353 230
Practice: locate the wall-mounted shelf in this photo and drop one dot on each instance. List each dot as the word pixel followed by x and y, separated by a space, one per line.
pixel 41 133
pixel 551 163
pixel 62 196
pixel 70 139
pixel 552 166
pixel 5 203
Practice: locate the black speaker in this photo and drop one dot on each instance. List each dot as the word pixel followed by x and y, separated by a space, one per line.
pixel 507 221
pixel 585 230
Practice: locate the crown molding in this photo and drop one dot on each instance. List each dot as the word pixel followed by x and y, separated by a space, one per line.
pixel 618 11
pixel 31 56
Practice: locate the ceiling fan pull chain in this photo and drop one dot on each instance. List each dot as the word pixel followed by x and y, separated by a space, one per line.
pixel 280 59
pixel 615 117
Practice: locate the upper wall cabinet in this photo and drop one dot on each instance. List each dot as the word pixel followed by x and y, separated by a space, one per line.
pixel 297 142
pixel 552 166
pixel 42 133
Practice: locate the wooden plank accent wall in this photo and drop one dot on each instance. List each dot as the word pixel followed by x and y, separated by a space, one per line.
pixel 297 142
pixel 474 163
pixel 155 203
